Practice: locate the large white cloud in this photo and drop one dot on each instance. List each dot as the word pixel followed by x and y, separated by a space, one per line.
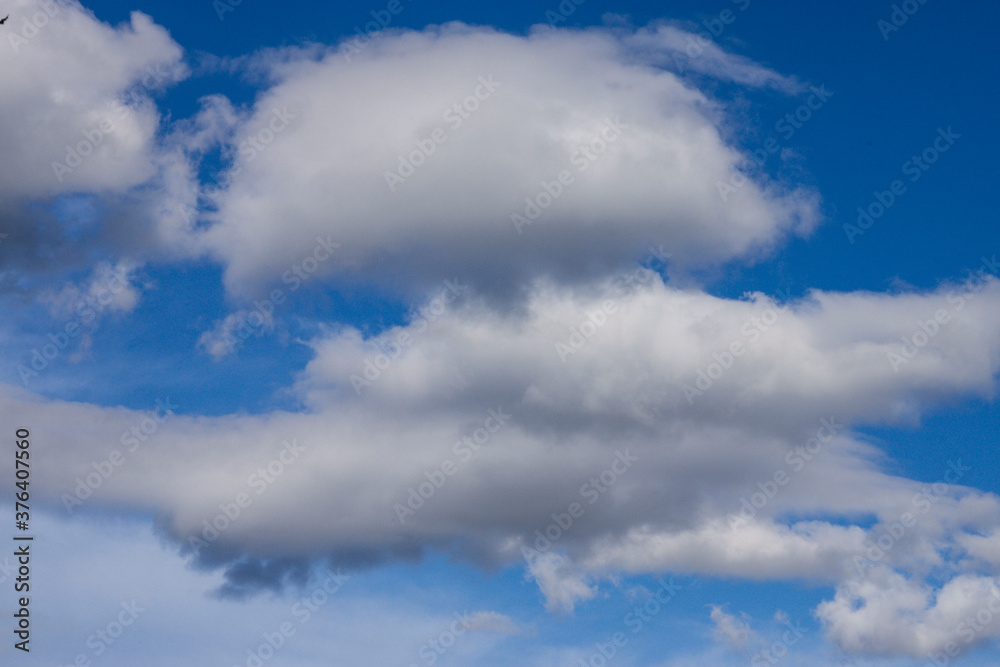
pixel 617 403
pixel 498 116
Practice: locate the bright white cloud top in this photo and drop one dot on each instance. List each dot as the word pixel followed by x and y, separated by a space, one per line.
pixel 499 158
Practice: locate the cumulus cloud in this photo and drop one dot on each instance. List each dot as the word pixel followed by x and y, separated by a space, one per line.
pixel 83 74
pixel 888 614
pixel 79 135
pixel 731 630
pixel 480 467
pixel 438 153
pixel 609 424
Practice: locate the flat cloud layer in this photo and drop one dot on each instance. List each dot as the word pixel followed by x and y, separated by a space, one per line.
pixel 440 152
pixel 502 431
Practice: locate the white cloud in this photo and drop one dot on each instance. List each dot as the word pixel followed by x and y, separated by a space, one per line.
pixel 60 86
pixel 622 390
pixel 230 332
pixel 560 581
pixel 110 288
pixel 757 550
pixel 313 157
pixel 986 548
pixel 731 630
pixel 80 135
pixel 685 50
pixel 584 368
pixel 889 614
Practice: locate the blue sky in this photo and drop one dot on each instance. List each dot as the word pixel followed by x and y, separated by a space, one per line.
pixel 437 375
